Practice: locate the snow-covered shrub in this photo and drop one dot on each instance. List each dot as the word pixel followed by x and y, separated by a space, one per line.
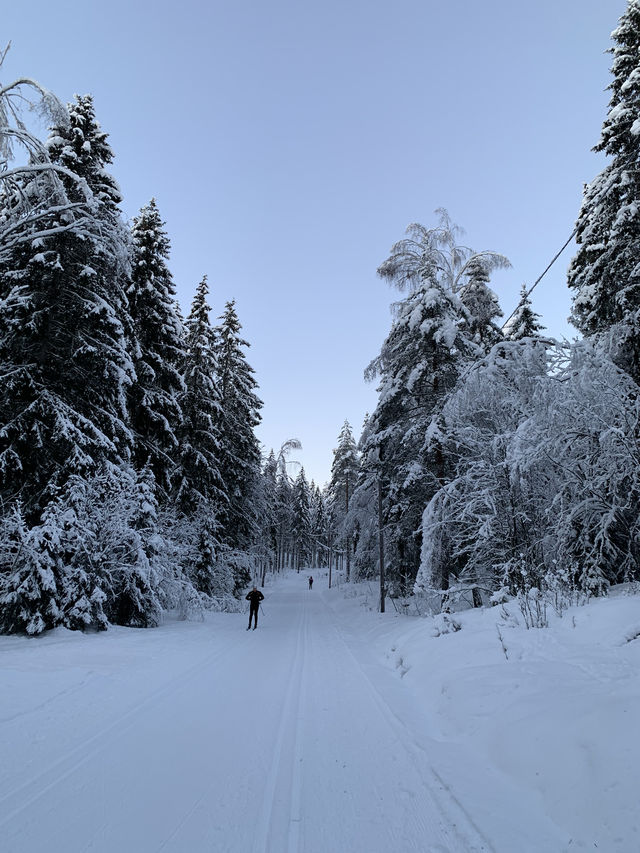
pixel 233 570
pixel 584 433
pixel 485 514
pixel 561 589
pixel 445 624
pixel 533 606
pixel 28 581
pixel 546 491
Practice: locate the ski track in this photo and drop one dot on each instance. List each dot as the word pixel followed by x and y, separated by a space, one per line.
pixel 59 770
pixel 279 741
pixel 465 834
pixel 297 782
pixel 268 836
pixel 69 691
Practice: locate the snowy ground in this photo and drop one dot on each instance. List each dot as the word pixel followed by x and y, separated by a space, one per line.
pixel 330 729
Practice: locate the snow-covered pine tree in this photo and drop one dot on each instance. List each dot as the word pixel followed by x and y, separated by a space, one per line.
pixel 199 481
pixel 284 516
pixel 363 507
pixel 318 526
pixel 57 578
pixel 202 573
pixel 28 580
pixel 199 489
pixel 81 146
pixel 430 341
pixel 418 366
pixel 283 503
pixel 32 189
pixel 605 273
pixel 82 149
pixel 63 344
pixel 344 474
pixel 268 522
pixel 238 417
pixel 158 349
pixel 484 518
pixel 524 323
pixel 480 301
pixel 301 521
pixel 585 430
pixel 132 543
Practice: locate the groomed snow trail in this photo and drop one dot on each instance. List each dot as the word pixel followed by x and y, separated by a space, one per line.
pixel 278 740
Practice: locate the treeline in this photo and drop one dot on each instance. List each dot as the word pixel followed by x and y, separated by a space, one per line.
pixel 130 474
pixel 305 525
pixel 497 461
pixel 508 462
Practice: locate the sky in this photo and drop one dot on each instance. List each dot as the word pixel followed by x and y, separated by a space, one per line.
pixel 289 144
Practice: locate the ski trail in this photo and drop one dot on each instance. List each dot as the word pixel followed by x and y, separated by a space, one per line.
pixel 288 739
pixel 466 835
pixel 268 833
pixel 297 782
pixel 24 796
pixel 70 691
pixel 365 780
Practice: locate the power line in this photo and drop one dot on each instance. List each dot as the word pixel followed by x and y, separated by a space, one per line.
pixel 539 279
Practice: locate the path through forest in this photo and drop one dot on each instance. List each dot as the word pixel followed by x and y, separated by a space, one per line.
pixel 206 737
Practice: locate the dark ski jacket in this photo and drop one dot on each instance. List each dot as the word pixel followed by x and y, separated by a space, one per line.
pixel 255 597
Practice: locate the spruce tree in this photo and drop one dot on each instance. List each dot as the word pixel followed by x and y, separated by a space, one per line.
pixel 64 345
pixel 318 525
pixel 238 417
pixel 57 579
pixel 433 336
pixel 269 524
pixel 158 349
pixel 81 146
pixel 344 473
pixel 301 520
pixel 202 571
pixel 605 273
pixel 135 541
pixel 199 483
pixel 418 366
pixel 26 214
pixel 524 321
pixel 284 516
pixel 364 504
pixel 28 588
pixel 481 304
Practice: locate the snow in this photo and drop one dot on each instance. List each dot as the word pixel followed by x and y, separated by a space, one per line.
pixel 330 728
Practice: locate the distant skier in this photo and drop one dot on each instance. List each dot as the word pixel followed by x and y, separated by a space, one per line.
pixel 310 582
pixel 254 598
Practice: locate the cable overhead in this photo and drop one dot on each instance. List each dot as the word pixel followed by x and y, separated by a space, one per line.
pixel 540 277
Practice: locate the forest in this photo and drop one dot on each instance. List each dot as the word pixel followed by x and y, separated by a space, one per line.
pixel 498 462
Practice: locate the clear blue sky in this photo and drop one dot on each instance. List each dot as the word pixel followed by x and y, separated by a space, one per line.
pixel 289 144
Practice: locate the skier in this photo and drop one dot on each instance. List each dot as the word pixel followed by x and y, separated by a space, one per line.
pixel 254 598
pixel 310 582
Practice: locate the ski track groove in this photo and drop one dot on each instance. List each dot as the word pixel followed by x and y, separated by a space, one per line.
pixel 19 715
pixel 97 742
pixel 185 817
pixel 280 825
pixel 290 713
pixel 295 821
pixel 454 813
